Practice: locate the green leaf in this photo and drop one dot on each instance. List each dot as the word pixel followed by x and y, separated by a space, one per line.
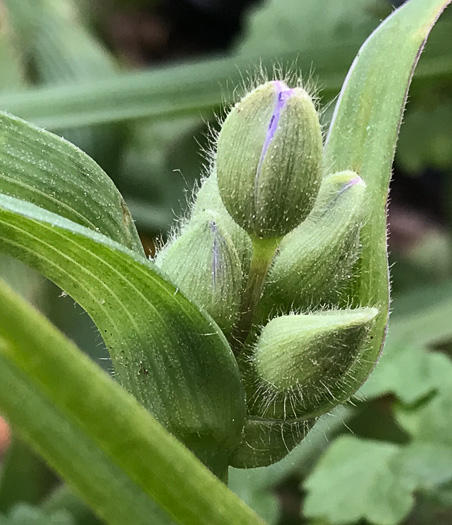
pixel 252 487
pixel 424 141
pixel 181 89
pixel 59 49
pixel 430 422
pixel 174 359
pixel 51 35
pixel 64 499
pixel 362 138
pixel 23 514
pixel 11 64
pixel 48 171
pixel 283 26
pixel 407 369
pixel 107 446
pixel 24 477
pixel 357 480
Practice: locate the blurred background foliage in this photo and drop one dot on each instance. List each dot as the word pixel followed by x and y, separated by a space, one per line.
pixel 137 84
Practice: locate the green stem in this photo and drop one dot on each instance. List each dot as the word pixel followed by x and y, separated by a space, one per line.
pixel 263 253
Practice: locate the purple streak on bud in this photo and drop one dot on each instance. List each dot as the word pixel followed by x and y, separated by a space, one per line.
pixel 216 261
pixel 350 183
pixel 345 187
pixel 282 94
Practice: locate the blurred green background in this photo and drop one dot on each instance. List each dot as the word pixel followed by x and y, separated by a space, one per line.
pixel 138 84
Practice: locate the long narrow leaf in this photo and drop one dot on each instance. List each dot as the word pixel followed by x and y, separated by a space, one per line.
pixel 170 91
pixel 114 453
pixel 363 135
pixel 165 351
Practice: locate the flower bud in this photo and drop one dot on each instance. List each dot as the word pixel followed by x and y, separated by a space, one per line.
pixel 204 264
pixel 208 198
pixel 269 159
pixel 302 362
pixel 317 257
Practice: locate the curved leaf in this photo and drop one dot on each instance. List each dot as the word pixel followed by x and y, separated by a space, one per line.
pixel 362 138
pixel 48 171
pixel 113 452
pixel 174 359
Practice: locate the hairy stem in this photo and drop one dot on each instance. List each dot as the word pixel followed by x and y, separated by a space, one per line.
pixel 263 253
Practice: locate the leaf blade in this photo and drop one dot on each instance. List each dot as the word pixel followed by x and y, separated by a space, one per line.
pixel 105 432
pixel 40 167
pixel 174 359
pixel 363 135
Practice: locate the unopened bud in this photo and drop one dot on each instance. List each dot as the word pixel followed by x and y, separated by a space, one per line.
pixel 269 159
pixel 302 362
pixel 317 257
pixel 208 199
pixel 204 264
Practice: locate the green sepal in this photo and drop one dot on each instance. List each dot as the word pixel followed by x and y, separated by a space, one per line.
pixel 269 158
pixel 316 259
pixel 302 362
pixel 205 266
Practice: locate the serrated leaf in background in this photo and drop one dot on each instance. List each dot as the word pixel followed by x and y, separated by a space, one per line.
pixel 356 480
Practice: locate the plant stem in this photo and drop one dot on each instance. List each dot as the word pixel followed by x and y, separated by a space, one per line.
pixel 263 253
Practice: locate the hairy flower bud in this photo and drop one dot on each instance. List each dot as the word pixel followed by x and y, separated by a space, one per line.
pixel 302 361
pixel 208 199
pixel 318 256
pixel 204 264
pixel 269 159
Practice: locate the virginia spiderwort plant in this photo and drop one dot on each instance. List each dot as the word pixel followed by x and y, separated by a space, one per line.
pixel 265 311
pixel 266 257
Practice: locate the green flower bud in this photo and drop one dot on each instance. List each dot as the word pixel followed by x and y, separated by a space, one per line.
pixel 265 442
pixel 269 159
pixel 204 264
pixel 208 198
pixel 317 257
pixel 302 362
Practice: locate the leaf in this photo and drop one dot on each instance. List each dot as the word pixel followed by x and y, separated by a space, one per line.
pixel 424 141
pixel 430 422
pixel 173 358
pixel 427 464
pixel 107 446
pixel 11 64
pixel 24 477
pixel 407 369
pixel 52 37
pixel 356 480
pixel 249 485
pixel 59 49
pixel 283 26
pixel 64 499
pixel 179 90
pixel 48 171
pixel 23 514
pixel 362 137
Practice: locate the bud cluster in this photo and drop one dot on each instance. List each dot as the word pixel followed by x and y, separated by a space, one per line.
pixel 269 252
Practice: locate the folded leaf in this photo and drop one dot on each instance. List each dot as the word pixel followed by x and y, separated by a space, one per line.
pixel 98 437
pixel 362 138
pixel 174 359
